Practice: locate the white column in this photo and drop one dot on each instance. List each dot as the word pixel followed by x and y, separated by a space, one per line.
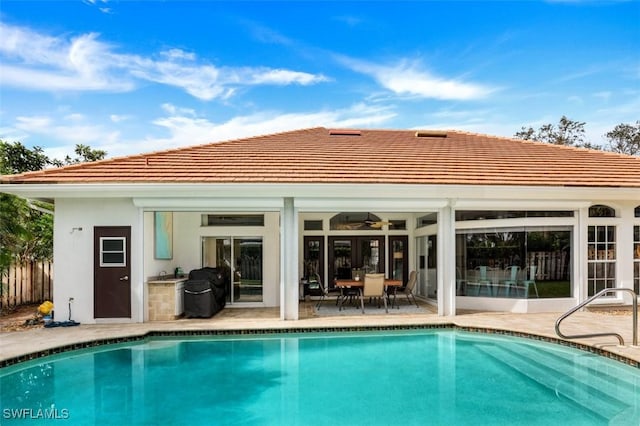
pixel 446 261
pixel 139 286
pixel 624 251
pixel 579 253
pixel 289 262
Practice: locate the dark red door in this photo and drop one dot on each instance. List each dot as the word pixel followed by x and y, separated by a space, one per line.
pixel 112 272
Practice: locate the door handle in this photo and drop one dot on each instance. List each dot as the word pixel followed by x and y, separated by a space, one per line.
pixel 125 278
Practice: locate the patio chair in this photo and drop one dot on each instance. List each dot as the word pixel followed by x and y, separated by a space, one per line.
pixel 511 272
pixel 529 280
pixel 408 289
pixel 316 288
pixel 482 279
pixel 374 287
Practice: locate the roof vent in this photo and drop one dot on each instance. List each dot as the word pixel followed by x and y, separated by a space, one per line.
pixel 431 134
pixel 345 132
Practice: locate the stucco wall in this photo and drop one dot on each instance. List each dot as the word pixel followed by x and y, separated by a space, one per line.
pixel 73 253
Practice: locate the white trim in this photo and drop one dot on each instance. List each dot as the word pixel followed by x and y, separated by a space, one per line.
pixel 123 251
pixel 367 204
pixel 332 190
pixel 139 291
pixel 520 204
pixel 217 204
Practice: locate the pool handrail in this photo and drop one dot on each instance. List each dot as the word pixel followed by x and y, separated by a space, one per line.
pixel 591 299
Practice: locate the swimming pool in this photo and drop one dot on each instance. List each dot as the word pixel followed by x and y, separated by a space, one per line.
pixel 413 377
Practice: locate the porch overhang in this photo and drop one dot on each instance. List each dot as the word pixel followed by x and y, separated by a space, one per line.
pixel 346 190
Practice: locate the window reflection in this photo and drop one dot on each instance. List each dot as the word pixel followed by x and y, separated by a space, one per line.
pixel 514 262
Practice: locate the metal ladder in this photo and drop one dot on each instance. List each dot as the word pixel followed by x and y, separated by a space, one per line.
pixel 591 299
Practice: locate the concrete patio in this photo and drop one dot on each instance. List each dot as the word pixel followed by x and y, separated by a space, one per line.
pixel 36 342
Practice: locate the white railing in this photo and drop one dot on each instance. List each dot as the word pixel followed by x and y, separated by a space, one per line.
pixel 591 299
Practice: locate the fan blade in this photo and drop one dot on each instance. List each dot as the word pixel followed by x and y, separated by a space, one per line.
pixel 378 224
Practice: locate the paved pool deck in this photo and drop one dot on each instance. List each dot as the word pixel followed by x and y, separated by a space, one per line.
pixel 37 342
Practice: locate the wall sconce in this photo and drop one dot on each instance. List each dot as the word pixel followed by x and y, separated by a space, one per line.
pixel 79 228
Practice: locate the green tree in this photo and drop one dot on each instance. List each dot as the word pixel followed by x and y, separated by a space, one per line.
pixel 26 230
pixel 84 154
pixel 566 132
pixel 625 138
pixel 16 219
pixel 17 158
pixel 12 229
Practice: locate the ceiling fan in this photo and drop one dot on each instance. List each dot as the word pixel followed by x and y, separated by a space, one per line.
pixel 369 222
pixel 376 224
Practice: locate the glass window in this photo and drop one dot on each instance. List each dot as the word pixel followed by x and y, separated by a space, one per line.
pixel 232 220
pixel 398 252
pixel 239 260
pixel 637 211
pixel 464 215
pixel 313 225
pixel 601 258
pixel 112 252
pixel 426 220
pixel 398 225
pixel 514 262
pixel 600 210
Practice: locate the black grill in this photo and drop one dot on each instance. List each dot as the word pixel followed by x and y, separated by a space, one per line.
pixel 204 293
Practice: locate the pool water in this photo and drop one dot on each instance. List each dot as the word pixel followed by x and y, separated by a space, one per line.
pixel 415 377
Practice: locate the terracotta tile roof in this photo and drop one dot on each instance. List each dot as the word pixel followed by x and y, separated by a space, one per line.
pixel 320 155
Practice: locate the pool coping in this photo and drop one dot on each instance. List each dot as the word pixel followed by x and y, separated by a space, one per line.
pixel 136 337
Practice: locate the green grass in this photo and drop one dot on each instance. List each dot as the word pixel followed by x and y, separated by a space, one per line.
pixel 551 289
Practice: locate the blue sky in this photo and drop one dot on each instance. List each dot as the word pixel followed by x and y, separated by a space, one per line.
pixel 139 76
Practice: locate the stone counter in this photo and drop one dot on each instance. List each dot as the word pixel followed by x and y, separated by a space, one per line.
pixel 166 299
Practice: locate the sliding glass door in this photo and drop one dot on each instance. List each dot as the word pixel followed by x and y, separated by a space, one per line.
pixel 240 261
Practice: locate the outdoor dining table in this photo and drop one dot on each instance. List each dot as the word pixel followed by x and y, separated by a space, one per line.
pixel 359 284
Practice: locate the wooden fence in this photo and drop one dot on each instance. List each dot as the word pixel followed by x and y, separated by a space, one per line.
pixel 251 268
pixel 552 265
pixel 30 282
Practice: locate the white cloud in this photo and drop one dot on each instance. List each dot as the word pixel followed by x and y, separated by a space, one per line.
pixel 180 127
pixel 35 123
pixel 118 118
pixel 35 61
pixel 98 3
pixel 75 117
pixel 283 77
pixel 187 129
pixel 409 79
pixel 174 110
pixel 178 54
pixel 71 130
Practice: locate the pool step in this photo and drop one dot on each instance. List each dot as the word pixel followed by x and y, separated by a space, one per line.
pixel 588 368
pixel 588 391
